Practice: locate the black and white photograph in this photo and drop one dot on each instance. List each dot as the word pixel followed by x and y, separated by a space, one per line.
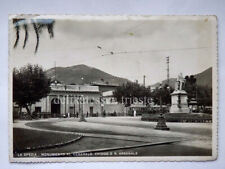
pixel 112 88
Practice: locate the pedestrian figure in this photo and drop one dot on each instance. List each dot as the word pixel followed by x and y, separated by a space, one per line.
pixel 87 114
pixel 104 113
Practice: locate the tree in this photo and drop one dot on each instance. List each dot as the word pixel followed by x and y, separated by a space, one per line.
pixel 130 92
pixel 164 92
pixel 38 26
pixel 204 96
pixel 30 84
pixel 190 86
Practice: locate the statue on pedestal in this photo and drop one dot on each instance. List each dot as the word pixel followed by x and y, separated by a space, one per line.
pixel 179 102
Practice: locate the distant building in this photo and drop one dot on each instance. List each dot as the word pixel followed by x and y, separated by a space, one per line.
pixel 193 105
pixel 69 100
pixel 105 86
pixel 63 100
pixel 152 88
pixel 111 106
pixel 136 108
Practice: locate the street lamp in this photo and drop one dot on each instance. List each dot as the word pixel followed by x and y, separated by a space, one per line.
pixel 102 106
pixel 161 124
pixel 66 114
pixel 82 119
pixel 160 97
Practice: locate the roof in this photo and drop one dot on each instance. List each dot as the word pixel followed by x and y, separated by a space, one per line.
pixel 193 102
pixel 104 84
pixel 74 88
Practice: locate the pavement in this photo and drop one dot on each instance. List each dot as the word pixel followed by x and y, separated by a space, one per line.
pixel 191 134
pixel 197 135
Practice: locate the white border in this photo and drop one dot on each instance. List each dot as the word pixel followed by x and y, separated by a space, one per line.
pixel 213 20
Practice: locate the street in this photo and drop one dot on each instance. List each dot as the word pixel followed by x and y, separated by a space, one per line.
pixel 124 136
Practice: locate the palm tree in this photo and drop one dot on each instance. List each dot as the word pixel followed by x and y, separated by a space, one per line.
pixel 38 26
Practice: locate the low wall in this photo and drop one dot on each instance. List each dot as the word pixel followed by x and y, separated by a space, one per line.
pixel 119 109
pixel 180 117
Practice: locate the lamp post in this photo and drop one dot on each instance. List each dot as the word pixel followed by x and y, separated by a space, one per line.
pixel 168 104
pixel 74 108
pixel 102 106
pixel 161 124
pixel 160 97
pixel 65 100
pixel 82 119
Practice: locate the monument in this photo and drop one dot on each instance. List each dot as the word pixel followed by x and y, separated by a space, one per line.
pixel 161 125
pixel 179 102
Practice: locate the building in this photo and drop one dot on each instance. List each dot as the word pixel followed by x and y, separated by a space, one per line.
pixel 136 109
pixel 69 100
pixel 110 105
pixel 105 86
pixel 63 100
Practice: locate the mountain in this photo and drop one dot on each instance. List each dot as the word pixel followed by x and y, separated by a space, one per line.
pixel 172 83
pixel 74 75
pixel 202 79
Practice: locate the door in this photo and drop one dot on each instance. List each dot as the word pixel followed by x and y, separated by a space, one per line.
pixel 55 107
pixel 91 111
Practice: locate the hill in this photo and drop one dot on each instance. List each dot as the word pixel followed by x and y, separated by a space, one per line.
pixel 172 83
pixel 202 79
pixel 75 74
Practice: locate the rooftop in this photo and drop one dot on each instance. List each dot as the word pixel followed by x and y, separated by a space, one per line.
pixel 74 88
pixel 104 84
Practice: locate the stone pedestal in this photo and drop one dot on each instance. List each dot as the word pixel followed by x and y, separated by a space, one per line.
pixel 179 102
pixel 161 125
pixel 82 119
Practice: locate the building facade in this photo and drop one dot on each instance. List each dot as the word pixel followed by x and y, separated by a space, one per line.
pixel 70 100
pixel 110 105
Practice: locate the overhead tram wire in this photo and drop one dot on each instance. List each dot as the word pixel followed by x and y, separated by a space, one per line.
pixel 149 51
pixel 139 52
pixel 111 52
pixel 101 47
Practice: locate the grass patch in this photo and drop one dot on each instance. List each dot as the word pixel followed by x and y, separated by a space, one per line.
pixel 87 144
pixel 49 126
pixel 25 138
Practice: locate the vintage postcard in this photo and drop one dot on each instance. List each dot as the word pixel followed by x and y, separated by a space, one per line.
pixel 112 88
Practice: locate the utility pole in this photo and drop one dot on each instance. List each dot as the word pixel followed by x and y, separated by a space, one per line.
pixel 144 80
pixel 65 100
pixel 168 70
pixel 55 71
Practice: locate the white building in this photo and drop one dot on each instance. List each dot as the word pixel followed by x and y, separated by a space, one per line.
pixel 111 106
pixel 69 100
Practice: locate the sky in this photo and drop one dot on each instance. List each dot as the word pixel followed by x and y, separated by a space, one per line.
pixel 128 47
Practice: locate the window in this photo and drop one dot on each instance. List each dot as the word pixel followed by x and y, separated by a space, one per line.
pixel 38 109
